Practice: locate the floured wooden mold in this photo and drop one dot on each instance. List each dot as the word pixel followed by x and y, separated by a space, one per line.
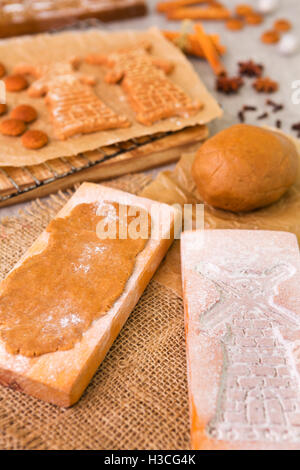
pixel 242 317
pixel 61 376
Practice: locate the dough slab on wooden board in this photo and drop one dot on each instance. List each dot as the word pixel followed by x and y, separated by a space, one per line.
pixel 49 48
pixel 242 319
pixel 61 377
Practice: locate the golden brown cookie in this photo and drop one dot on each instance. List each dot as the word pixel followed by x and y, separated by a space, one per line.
pixel 24 112
pixel 34 139
pixel 3 109
pixel 15 83
pixel 75 109
pixel 282 25
pixel 2 70
pixel 12 127
pixel 270 37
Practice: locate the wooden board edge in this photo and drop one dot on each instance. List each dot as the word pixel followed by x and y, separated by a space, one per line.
pixel 66 396
pixel 104 171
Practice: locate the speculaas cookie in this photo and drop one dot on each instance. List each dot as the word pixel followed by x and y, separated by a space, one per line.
pixel 34 139
pixel 12 127
pixel 151 94
pixel 25 113
pixel 15 83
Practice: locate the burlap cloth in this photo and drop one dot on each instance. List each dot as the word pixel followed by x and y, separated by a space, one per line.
pixel 138 397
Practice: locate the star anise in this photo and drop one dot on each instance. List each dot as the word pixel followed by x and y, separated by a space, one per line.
pixel 229 85
pixel 265 85
pixel 296 126
pixel 250 69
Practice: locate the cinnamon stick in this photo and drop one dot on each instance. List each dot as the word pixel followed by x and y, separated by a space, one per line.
pixel 210 13
pixel 191 45
pixel 163 7
pixel 209 50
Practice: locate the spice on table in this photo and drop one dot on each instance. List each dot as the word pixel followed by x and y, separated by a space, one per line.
pixel 189 44
pixel 229 85
pixel 196 13
pixel 249 108
pixel 163 7
pixel 209 50
pixel 263 116
pixel 241 116
pixel 254 19
pixel 270 37
pixel 272 103
pixel 245 108
pixel 234 24
pixel 296 127
pixel 278 123
pixel 244 10
pixel 250 69
pixel 278 108
pixel 282 25
pixel 265 85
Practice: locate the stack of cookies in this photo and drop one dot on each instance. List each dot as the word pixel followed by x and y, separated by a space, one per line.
pixel 108 103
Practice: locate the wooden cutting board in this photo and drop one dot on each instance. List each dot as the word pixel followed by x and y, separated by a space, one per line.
pixel 60 377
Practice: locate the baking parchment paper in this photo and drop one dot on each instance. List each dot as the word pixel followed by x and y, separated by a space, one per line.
pixel 47 48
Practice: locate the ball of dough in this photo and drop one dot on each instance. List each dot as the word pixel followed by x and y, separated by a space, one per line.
pixel 244 168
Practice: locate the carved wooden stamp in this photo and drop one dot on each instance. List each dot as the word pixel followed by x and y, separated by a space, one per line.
pixel 242 312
